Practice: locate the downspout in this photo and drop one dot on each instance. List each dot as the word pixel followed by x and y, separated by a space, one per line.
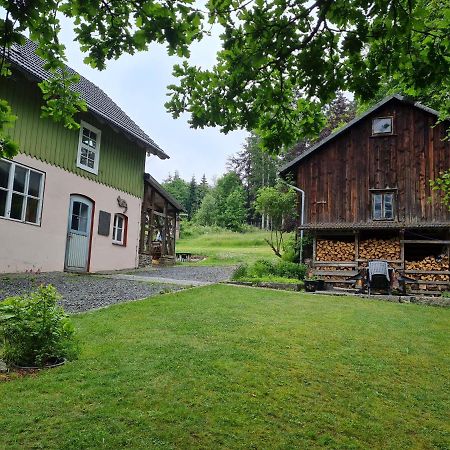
pixel 302 216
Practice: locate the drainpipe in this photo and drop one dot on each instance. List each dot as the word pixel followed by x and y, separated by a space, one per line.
pixel 302 215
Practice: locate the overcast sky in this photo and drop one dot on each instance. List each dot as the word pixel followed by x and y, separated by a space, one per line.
pixel 137 83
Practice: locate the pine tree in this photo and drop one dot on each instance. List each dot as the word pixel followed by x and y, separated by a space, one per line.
pixel 192 200
pixel 203 189
pixel 256 169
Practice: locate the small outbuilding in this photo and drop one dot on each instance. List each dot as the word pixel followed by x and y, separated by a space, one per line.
pixel 159 224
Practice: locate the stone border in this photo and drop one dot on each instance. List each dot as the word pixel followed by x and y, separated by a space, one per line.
pixel 270 285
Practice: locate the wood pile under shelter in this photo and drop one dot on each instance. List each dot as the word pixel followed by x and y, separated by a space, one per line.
pixel 425 262
pixel 158 224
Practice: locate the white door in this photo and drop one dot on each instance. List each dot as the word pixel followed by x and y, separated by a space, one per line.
pixel 78 234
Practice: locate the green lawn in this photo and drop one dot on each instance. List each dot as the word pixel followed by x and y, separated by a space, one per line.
pixel 228 248
pixel 235 367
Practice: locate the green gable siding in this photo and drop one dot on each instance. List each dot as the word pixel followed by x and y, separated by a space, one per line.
pixel 121 164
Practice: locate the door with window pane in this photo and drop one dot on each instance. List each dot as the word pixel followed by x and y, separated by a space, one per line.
pixel 78 234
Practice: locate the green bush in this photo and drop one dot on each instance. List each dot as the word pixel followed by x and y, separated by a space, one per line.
pixel 240 272
pixel 290 270
pixel 264 268
pixel 261 268
pixel 35 331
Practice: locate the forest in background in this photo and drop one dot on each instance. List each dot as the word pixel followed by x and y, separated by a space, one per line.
pixel 231 201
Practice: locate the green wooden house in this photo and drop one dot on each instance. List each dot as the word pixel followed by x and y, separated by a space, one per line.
pixel 71 199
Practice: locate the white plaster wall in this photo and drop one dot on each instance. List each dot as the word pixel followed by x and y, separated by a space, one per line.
pixel 25 247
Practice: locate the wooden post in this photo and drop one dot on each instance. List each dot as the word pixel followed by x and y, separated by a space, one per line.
pixel 150 221
pixel 314 249
pixel 174 232
pixel 402 249
pixel 164 234
pixel 448 254
pixel 357 248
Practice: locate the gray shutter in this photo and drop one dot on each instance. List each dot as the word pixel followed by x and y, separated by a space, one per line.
pixel 104 223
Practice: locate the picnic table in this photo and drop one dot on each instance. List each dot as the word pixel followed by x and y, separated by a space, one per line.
pixel 183 256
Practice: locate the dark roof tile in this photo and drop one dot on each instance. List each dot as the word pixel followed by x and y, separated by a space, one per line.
pixel 25 59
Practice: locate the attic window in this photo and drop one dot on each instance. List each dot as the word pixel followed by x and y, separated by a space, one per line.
pixel 383 205
pixel 382 125
pixel 88 148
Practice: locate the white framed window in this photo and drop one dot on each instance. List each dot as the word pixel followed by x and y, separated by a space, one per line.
pixel 119 235
pixel 383 206
pixel 89 148
pixel 21 192
pixel 382 125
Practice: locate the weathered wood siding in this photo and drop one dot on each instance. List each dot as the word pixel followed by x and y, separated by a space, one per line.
pixel 121 163
pixel 337 178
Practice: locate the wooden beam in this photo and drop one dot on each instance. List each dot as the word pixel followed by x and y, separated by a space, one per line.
pixel 142 236
pixel 164 233
pixel 424 241
pixel 336 273
pixel 429 272
pixel 402 248
pixel 396 261
pixel 314 249
pixel 156 213
pixel 150 222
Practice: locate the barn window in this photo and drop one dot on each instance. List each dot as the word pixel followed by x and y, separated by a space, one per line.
pixel 21 192
pixel 383 206
pixel 382 125
pixel 88 148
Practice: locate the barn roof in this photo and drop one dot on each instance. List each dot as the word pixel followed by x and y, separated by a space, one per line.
pixel 169 197
pixel 24 58
pixel 289 166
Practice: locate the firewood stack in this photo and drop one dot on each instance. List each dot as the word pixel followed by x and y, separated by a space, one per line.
pixel 334 250
pixel 388 249
pixel 430 263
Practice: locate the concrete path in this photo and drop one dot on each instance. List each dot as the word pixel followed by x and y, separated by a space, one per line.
pixel 179 275
pixel 155 279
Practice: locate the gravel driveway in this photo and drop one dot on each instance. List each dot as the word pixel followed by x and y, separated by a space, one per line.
pixel 83 292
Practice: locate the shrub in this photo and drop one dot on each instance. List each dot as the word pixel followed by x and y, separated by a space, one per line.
pixel 261 268
pixel 240 272
pixel 291 248
pixel 290 270
pixel 35 331
pixel 264 268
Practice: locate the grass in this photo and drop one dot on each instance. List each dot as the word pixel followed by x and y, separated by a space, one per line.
pixel 235 367
pixel 228 248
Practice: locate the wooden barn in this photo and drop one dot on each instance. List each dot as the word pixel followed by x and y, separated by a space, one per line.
pixel 367 195
pixel 159 221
